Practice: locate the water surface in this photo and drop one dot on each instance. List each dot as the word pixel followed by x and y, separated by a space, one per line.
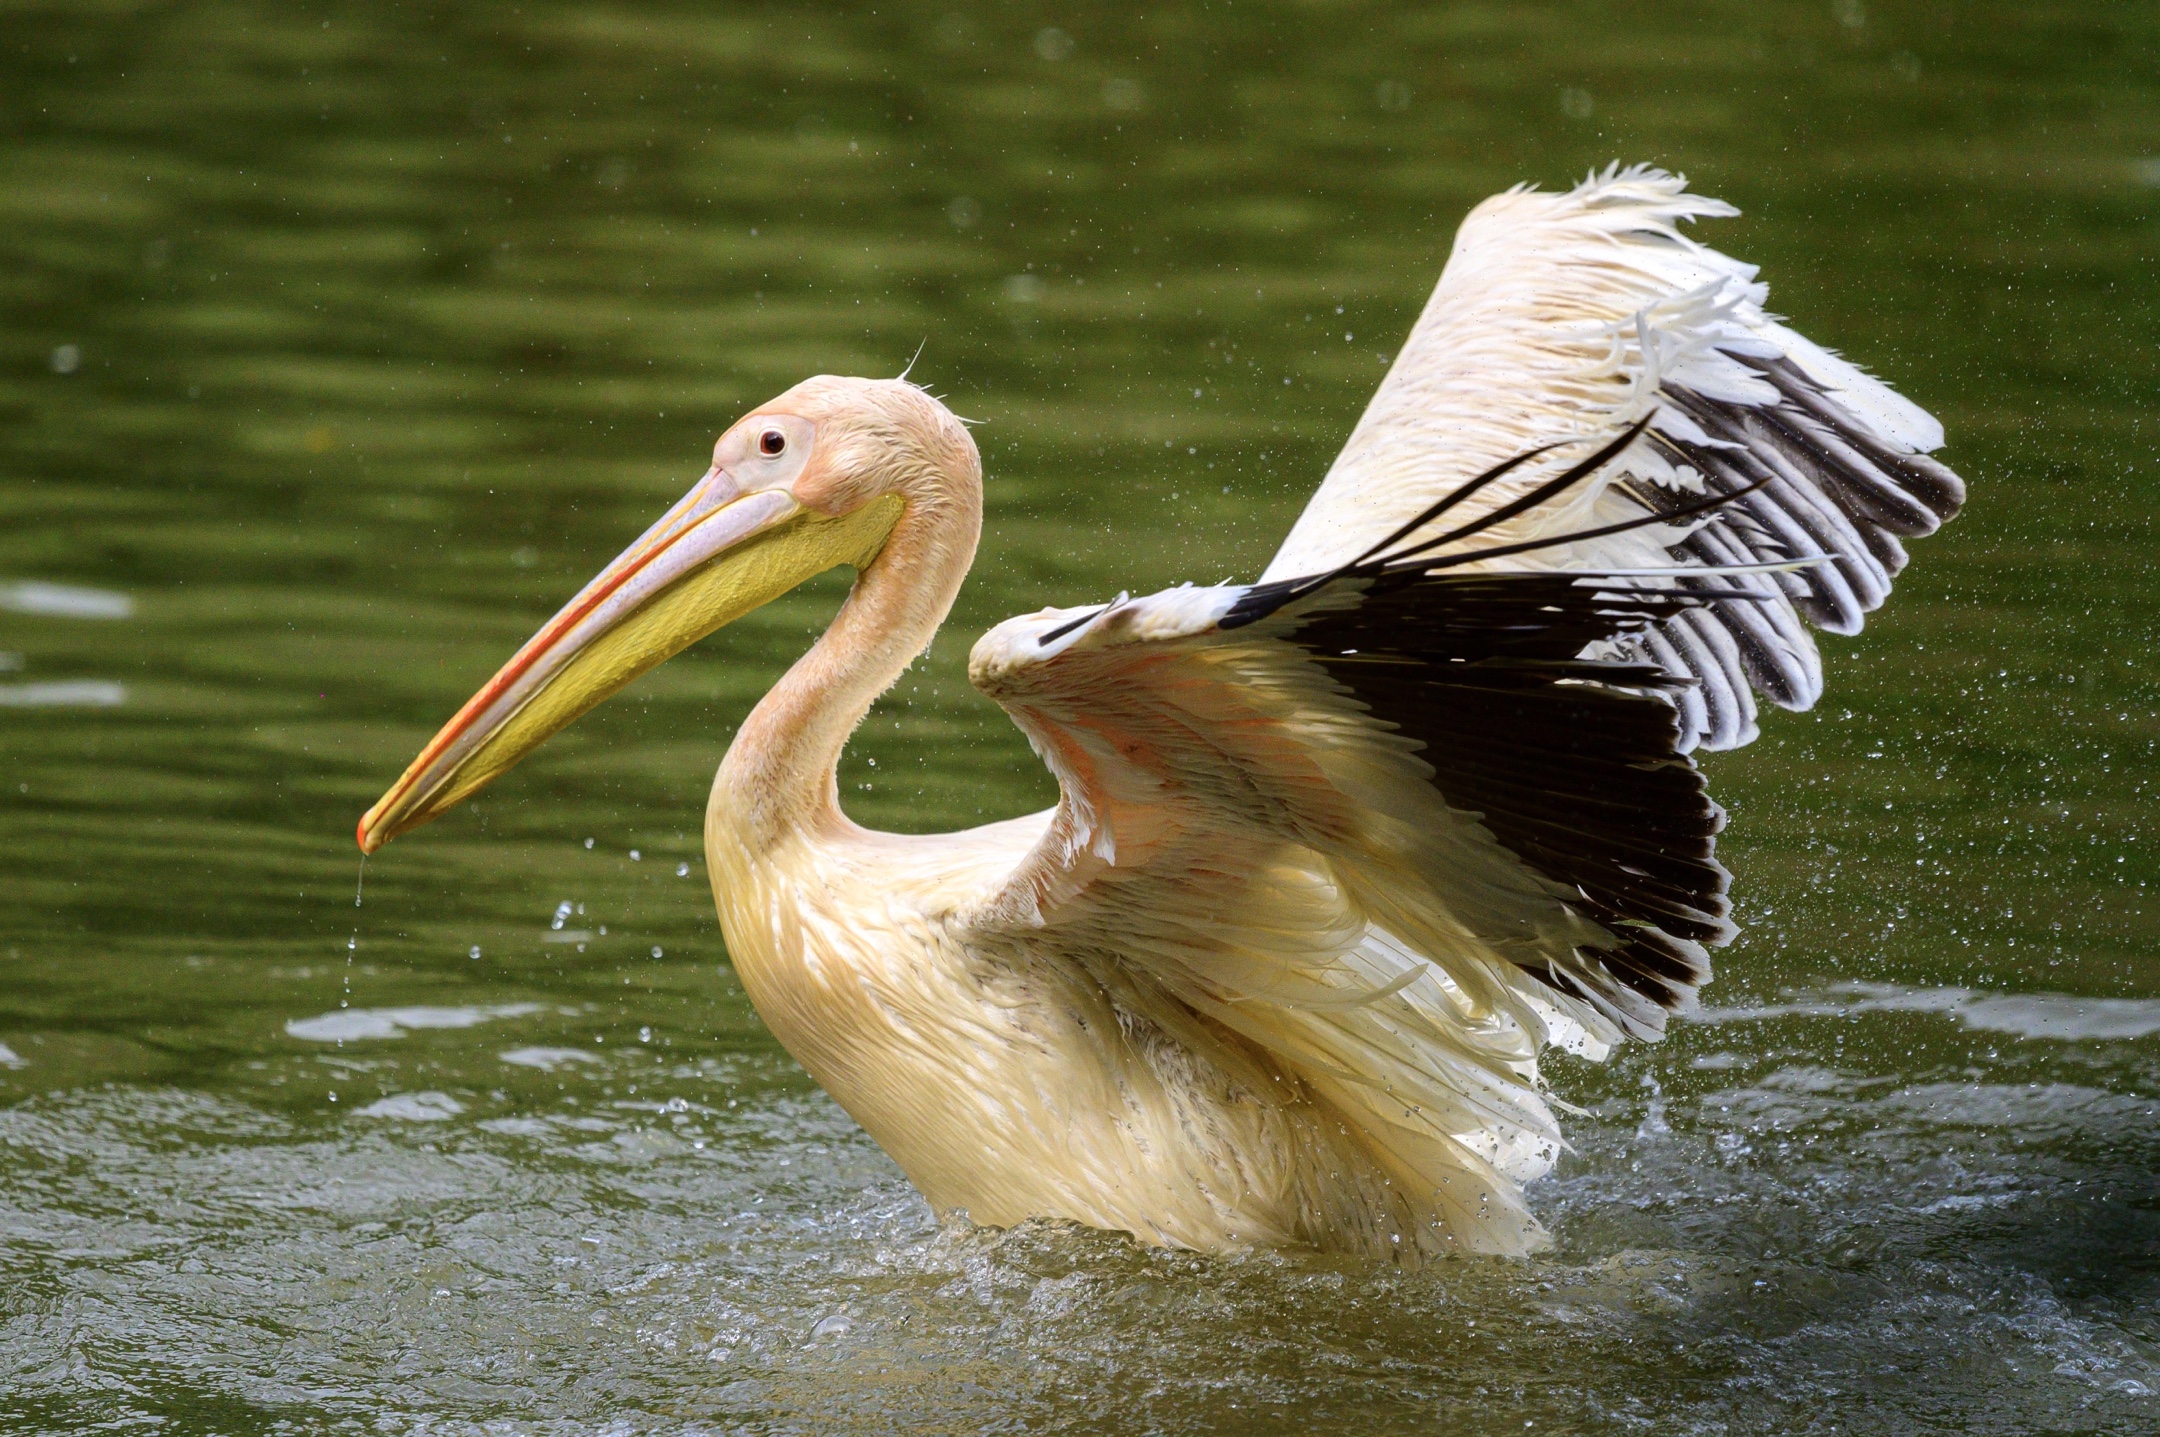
pixel 341 343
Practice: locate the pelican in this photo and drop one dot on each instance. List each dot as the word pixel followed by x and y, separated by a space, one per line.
pixel 1338 852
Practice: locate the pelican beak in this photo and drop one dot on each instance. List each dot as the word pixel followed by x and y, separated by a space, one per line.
pixel 715 556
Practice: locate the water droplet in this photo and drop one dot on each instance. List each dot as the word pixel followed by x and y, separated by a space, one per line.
pixel 473 952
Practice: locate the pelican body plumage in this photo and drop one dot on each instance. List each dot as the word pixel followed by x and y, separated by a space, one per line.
pixel 1338 852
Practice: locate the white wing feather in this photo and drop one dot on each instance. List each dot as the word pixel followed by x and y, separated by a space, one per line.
pixel 1570 316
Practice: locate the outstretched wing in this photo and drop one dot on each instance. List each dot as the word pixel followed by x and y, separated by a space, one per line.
pixel 1419 800
pixel 1573 315
pixel 1387 826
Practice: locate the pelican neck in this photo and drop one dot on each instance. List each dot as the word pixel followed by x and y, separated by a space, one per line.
pixel 779 776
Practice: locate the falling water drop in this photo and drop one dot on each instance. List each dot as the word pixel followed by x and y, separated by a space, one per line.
pixel 353 942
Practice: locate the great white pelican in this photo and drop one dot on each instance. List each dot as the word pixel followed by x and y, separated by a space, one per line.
pixel 1338 851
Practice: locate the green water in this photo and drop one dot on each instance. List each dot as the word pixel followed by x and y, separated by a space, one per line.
pixel 343 342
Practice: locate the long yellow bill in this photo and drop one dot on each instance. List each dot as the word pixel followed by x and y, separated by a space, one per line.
pixel 715 556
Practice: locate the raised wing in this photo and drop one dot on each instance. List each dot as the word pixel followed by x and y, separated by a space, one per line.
pixel 1574 315
pixel 1388 827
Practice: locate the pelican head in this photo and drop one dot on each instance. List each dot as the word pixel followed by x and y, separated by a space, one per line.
pixel 817 478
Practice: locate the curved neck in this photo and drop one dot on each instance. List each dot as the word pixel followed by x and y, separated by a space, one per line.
pixel 778 776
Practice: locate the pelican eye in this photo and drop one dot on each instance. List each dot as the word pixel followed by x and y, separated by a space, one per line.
pixel 771 442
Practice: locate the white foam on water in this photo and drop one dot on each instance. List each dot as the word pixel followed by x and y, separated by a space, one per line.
pixel 64 601
pixel 357 1023
pixel 64 693
pixel 547 1060
pixel 9 1058
pixel 427 1107
pixel 2060 1016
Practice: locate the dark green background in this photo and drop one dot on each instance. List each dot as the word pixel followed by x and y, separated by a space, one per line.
pixel 394 322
